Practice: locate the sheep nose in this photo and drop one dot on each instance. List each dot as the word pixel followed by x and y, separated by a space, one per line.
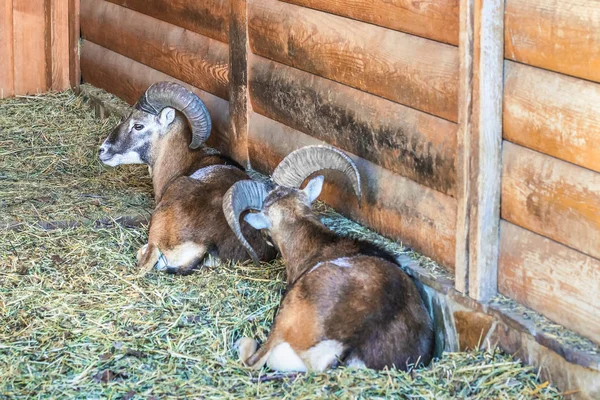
pixel 101 150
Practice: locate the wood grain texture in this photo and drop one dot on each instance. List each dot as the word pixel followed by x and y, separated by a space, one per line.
pixel 555 280
pixel 59 15
pixel 463 145
pixel 392 205
pixel 209 17
pixel 7 79
pixel 238 78
pixel 411 143
pixel 480 141
pixel 551 197
pixel 562 36
pixel 431 19
pixel 129 79
pixel 29 25
pixel 198 60
pixel 410 70
pixel 553 113
pixel 74 34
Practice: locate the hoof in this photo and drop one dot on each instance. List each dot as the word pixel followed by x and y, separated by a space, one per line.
pixel 245 348
pixel 141 251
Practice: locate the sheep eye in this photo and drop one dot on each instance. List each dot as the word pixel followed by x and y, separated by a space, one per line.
pixel 138 127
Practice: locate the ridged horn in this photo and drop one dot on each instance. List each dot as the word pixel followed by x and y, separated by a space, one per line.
pixel 301 163
pixel 242 196
pixel 171 94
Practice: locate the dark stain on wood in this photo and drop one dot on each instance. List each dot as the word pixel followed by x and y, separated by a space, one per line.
pixel 422 75
pixel 394 206
pixel 413 144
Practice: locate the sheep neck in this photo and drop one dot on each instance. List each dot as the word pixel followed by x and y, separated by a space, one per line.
pixel 302 243
pixel 174 158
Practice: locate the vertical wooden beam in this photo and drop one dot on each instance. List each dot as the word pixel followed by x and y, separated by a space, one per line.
pixel 465 107
pixel 238 81
pixel 29 46
pixel 74 34
pixel 59 44
pixel 481 46
pixel 7 80
pixel 48 41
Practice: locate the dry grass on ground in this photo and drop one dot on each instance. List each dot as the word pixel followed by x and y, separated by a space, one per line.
pixel 75 322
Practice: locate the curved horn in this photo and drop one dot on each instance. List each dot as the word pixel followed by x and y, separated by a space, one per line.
pixel 242 196
pixel 301 163
pixel 171 94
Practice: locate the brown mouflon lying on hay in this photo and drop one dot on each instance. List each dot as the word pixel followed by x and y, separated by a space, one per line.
pixel 189 180
pixel 347 301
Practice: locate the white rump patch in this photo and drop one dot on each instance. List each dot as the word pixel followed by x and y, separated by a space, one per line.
pixel 206 172
pixel 355 363
pixel 284 358
pixel 324 354
pixel 131 157
pixel 342 262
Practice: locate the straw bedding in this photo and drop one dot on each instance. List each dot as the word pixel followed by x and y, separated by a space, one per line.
pixel 76 322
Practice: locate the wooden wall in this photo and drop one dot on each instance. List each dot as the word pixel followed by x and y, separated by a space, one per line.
pixel 384 95
pixel 289 73
pixel 476 130
pixel 550 231
pixel 39 46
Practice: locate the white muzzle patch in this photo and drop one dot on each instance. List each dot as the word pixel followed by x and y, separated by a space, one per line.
pixel 131 157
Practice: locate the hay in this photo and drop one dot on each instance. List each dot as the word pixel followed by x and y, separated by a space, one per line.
pixel 49 169
pixel 549 328
pixel 75 322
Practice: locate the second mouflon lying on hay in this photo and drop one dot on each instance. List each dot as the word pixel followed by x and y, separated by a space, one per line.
pixel 346 301
pixel 189 180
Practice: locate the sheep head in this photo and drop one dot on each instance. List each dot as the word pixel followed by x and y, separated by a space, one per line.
pixel 153 117
pixel 283 199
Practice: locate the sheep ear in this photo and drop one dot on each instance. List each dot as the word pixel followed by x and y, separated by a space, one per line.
pixel 258 220
pixel 313 188
pixel 166 116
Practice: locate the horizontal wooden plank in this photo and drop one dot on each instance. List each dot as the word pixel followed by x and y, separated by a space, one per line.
pixel 198 60
pixel 129 79
pixel 551 197
pixel 552 113
pixel 392 205
pixel 29 27
pixel 432 19
pixel 410 70
pixel 562 36
pixel 209 18
pixel 7 80
pixel 553 279
pixel 409 142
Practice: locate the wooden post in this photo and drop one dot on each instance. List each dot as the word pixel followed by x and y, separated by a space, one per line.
pixel 238 81
pixel 29 32
pixel 7 79
pixel 74 34
pixel 479 146
pixel 57 44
